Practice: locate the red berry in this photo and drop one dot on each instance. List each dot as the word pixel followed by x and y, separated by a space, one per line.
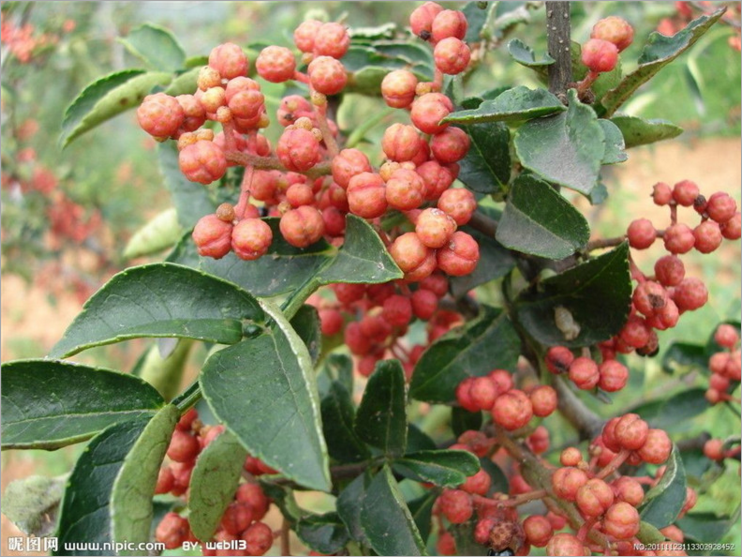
pixel 251 239
pixel 202 162
pixel 375 327
pixel 160 115
pixel 332 40
pixel 478 484
pixel 449 23
pixel 732 229
pixel 405 190
pixel 247 105
pixel 424 303
pixel 347 293
pixel 726 336
pixel 327 75
pixel 450 145
pixel 398 88
pixel 661 194
pixel 483 529
pixel 649 297
pixel 460 256
pixel 538 530
pixel 428 110
pixel 436 283
pixel 400 143
pixel 451 56
pixel 446 544
pixel 679 238
pixel 628 490
pixel 717 381
pixel 544 400
pixel 641 233
pixel 259 538
pixel 209 434
pixel 584 373
pixel 236 518
pixel 459 204
pixel 252 494
pixel 397 310
pixel 721 207
pixel 558 359
pixel 594 498
pixel 613 376
pixel 298 149
pixel 621 521
pixel 172 530
pixel 463 395
pixel 713 449
pixel 502 378
pixel 685 193
pixel 276 64
pixel 367 195
pixel 331 321
pixel 656 448
pixel 567 481
pixel 571 456
pixel 434 227
pixel 456 506
pixel 422 17
pixel 690 294
pixel 291 108
pixel 305 34
pixel 238 85
pixel 302 227
pixel 539 441
pixel 165 481
pixel 631 432
pixel 707 236
pixel 635 332
pixel 562 545
pixel 437 179
pixel 229 60
pixel 512 410
pixel 483 393
pixel 615 30
pixel 669 270
pixel 213 237
pixel 183 447
pixel 349 163
pixel 186 420
pixel 415 259
pixel 599 55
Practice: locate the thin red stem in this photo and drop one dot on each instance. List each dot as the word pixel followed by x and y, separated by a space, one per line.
pixel 614 464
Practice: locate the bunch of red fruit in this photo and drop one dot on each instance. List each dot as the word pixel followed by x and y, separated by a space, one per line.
pixel 609 37
pixel 241 520
pixel 724 365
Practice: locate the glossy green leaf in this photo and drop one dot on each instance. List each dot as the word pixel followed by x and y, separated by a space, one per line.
pixel 638 131
pixel 486 167
pixel 658 52
pixel 476 17
pixel 421 510
pixel 338 415
pixel 463 420
pixel 166 374
pixel 324 533
pixel 439 467
pixel 381 420
pixel 386 521
pixel 525 56
pixel 185 83
pixel 614 143
pixel 155 46
pixel 106 98
pixel 674 413
pixel 538 220
pixel 307 326
pixel 664 501
pixel 48 404
pixel 84 515
pixel 485 343
pixel 413 53
pixel 350 503
pixel 516 104
pixel 32 504
pixel 213 483
pixel 162 232
pixel 603 282
pixel 566 149
pixel 463 535
pixel 336 368
pixel 707 527
pixel 684 355
pixel 160 300
pixel 418 440
pixel 283 497
pixel 134 486
pixel 263 390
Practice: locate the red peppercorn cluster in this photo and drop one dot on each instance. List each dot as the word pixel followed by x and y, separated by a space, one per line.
pixel 724 365
pixel 610 375
pixel 717 449
pixel 600 53
pixel 241 521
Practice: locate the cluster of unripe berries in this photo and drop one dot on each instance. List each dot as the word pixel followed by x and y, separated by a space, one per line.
pixel 511 408
pixel 724 365
pixel 415 178
pixel 374 318
pixel 241 525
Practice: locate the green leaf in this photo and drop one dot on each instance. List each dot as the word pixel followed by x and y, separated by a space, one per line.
pixel 566 149
pixel 350 503
pixel 614 143
pixel 658 52
pixel 324 533
pixel 638 131
pixel 381 420
pixel 155 46
pixel 307 326
pixel 603 282
pixel 648 534
pixel 213 484
pixel 500 482
pixel 263 390
pixel 163 231
pixel 186 83
pixel 131 497
pixel 422 511
pixel 707 527
pixel 418 440
pixel 166 374
pixel 48 404
pixel 386 521
pixel 599 194
pixel 106 98
pixel 538 220
pixel 191 200
pixel 481 345
pixel 160 300
pixel 673 413
pixel 337 368
pixel 84 515
pixel 525 56
pixel 685 355
pixel 664 501
pixel 514 105
pixel 283 498
pixel 443 468
pixel 486 167
pixel 338 415
pixel 369 66
pixel 463 535
pixel 463 420
pixel 32 504
pixel 476 17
